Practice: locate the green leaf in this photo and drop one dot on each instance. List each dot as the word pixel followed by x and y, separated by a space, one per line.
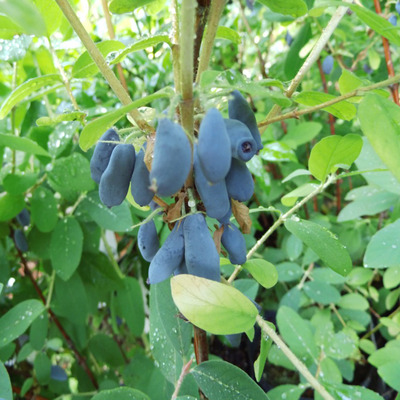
pixel 290 198
pixel 141 44
pixel 321 292
pixel 297 334
pixel 224 32
pixel 105 350
pixel 51 14
pixel 353 301
pixel 322 242
pixel 19 183
pixel 288 392
pixel 391 277
pixel 289 271
pixel 25 14
pixel 383 250
pixel 10 205
pixel 295 8
pixel 8 29
pixel 342 110
pixel 170 336
pixel 334 152
pixel 70 299
pixel 5 384
pixel 66 247
pixel 265 346
pixel 220 380
pixel 22 144
pixel 262 271
pixel 380 119
pixel 18 319
pixel 213 306
pixel 126 6
pixel 42 368
pixel 385 355
pixel 44 211
pixel 38 331
pixel 71 175
pixel 277 151
pixel 92 132
pixel 341 391
pixel 130 305
pixel 293 60
pixel 301 134
pixel 117 218
pixel 71 116
pixel 359 276
pixel 24 90
pixel 121 393
pixel 348 82
pixel 85 67
pixel 390 373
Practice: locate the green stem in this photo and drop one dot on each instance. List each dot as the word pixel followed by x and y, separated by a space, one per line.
pixel 217 6
pixel 295 361
pixel 111 256
pixel 186 64
pixel 282 218
pixel 51 288
pixel 357 92
pixel 101 63
pixel 313 56
pixel 175 46
pixel 379 326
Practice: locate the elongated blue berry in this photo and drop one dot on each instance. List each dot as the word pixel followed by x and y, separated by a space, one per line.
pixel 20 240
pixel 171 158
pixel 239 109
pixel 169 257
pixel 140 181
pixel 102 153
pixel 24 217
pixel 201 255
pixel 148 242
pixel 327 64
pixel 243 146
pixel 214 147
pixel 114 182
pixel 239 182
pixel 214 196
pixel 234 243
pixel 393 20
pixel 398 7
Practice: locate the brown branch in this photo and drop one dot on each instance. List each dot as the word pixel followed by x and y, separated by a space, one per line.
pixel 202 10
pixel 71 345
pixel 111 33
pixel 389 64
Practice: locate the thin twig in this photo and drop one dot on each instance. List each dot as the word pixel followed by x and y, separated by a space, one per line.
pixel 295 361
pixel 184 372
pixel 101 63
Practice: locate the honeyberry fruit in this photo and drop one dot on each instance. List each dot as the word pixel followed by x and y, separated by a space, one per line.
pixel 24 218
pixel 398 7
pixel 20 240
pixel 327 64
pixel 214 147
pixel 239 109
pixel 393 20
pixel 102 153
pixel 114 182
pixel 169 257
pixel 239 182
pixel 171 158
pixel 140 181
pixel 201 255
pixel 148 242
pixel 243 146
pixel 214 196
pixel 234 243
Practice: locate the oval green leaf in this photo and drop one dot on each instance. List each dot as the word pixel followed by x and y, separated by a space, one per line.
pixel 44 209
pixel 221 380
pixel 262 271
pixel 121 393
pixel 323 242
pixel 295 8
pixel 5 384
pixel 10 206
pixel 22 144
pixel 334 152
pixel 66 247
pixel 217 308
pixel 17 320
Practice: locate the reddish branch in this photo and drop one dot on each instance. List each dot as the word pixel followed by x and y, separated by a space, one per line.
pixel 71 345
pixel 389 65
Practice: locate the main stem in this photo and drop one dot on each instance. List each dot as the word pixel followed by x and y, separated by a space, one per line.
pixel 295 361
pixel 101 63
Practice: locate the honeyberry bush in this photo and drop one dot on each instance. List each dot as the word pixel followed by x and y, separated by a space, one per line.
pixel 78 316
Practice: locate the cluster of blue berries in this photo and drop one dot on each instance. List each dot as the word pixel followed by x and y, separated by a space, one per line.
pixel 220 173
